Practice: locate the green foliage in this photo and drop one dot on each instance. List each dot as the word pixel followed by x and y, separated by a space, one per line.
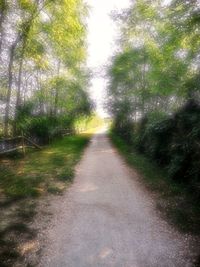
pixel 154 74
pixel 157 67
pixel 66 30
pixel 71 98
pixel 43 127
pixel 46 128
pixel 149 135
pixel 26 5
pixel 184 165
pixel 124 128
pixel 23 116
pixel 171 141
pixel 47 55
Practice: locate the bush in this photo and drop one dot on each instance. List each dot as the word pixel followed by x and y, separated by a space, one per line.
pixel 172 141
pixel 125 130
pixel 149 135
pixel 185 145
pixel 42 128
pixel 47 128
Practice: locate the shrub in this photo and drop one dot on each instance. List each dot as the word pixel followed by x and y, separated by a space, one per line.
pixel 124 129
pixel 185 146
pixel 42 128
pixel 172 141
pixel 149 135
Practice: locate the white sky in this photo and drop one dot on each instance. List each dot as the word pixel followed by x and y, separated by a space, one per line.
pixel 102 33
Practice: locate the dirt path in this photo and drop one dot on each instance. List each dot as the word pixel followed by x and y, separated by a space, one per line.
pixel 108 219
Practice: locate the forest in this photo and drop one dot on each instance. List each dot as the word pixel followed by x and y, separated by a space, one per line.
pixel 44 81
pixel 154 79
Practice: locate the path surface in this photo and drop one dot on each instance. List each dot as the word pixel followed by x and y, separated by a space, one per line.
pixel 108 219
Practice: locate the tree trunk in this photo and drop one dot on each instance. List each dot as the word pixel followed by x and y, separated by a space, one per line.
pixel 41 100
pixel 20 36
pixel 57 92
pixel 9 91
pixel 18 100
pixel 2 18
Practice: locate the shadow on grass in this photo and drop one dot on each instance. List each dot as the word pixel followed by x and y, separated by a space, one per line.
pixel 22 181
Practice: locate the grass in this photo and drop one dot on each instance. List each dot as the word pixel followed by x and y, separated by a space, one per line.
pixel 22 181
pixel 38 171
pixel 175 201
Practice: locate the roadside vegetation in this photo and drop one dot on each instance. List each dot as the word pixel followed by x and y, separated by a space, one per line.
pixel 23 181
pixel 43 93
pixel 154 99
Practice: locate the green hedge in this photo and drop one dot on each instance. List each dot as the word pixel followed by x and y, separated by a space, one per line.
pixel 173 142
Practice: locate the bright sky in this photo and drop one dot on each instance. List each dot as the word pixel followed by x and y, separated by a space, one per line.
pixel 102 33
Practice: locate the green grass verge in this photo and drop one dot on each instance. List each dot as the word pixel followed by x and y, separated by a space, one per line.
pixel 21 181
pixel 41 171
pixel 175 201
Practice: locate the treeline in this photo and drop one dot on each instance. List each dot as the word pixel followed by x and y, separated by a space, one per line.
pixel 42 66
pixel 154 88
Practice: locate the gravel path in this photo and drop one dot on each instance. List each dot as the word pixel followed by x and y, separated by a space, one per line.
pixel 107 218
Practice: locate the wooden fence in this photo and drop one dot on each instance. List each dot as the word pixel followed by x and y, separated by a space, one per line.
pixel 18 143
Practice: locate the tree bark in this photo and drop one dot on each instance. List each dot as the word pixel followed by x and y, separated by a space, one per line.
pixel 41 99
pixel 57 92
pixel 3 11
pixel 10 81
pixel 18 100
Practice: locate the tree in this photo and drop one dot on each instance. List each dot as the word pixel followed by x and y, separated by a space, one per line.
pixel 156 62
pixel 44 49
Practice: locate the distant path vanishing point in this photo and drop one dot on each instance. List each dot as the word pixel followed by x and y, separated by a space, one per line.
pixel 107 218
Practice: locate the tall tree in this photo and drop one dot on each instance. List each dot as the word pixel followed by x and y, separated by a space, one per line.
pixel 44 41
pixel 158 66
